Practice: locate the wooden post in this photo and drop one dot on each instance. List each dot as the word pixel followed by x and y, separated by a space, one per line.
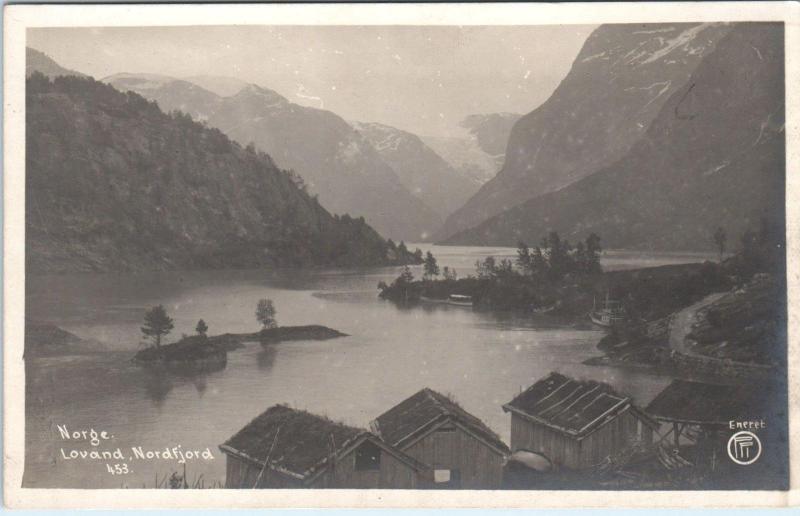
pixel 677 430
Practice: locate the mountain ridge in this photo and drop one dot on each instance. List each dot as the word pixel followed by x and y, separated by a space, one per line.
pixel 714 156
pixel 115 184
pixel 336 162
pixel 618 82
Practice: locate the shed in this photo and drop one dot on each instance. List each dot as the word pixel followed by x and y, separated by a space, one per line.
pixel 288 448
pixel 706 407
pixel 435 430
pixel 576 424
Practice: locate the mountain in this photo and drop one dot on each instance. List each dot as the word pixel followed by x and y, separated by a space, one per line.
pixel 465 156
pixel 480 155
pixel 491 131
pixel 36 61
pixel 221 85
pixel 713 156
pixel 335 161
pixel 618 83
pixel 113 183
pixel 423 172
pixel 170 94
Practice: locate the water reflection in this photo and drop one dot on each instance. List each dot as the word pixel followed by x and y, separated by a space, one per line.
pixel 157 384
pixel 391 352
pixel 266 357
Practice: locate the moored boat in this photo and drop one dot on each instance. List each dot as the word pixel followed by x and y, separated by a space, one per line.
pixel 432 300
pixel 460 300
pixel 609 315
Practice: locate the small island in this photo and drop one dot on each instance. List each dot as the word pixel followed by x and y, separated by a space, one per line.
pixel 204 353
pixel 716 318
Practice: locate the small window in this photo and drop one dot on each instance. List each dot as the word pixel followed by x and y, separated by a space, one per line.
pixel 368 457
pixel 447 478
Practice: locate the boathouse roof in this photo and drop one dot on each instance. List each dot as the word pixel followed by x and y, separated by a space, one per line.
pixel 303 441
pixel 701 403
pixel 572 407
pixel 416 416
pixel 298 443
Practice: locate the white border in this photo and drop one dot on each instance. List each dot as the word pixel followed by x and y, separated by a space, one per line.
pixel 20 17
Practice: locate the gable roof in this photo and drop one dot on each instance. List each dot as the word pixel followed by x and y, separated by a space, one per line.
pixel 415 416
pixel 704 403
pixel 572 407
pixel 304 441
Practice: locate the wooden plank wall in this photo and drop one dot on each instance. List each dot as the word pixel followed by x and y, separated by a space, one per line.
pixel 563 450
pixel 480 466
pixel 241 474
pixel 609 439
pixel 393 474
pixel 559 448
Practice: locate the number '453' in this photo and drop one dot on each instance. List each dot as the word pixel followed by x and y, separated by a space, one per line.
pixel 117 469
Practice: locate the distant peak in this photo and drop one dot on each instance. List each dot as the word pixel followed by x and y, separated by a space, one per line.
pixel 252 90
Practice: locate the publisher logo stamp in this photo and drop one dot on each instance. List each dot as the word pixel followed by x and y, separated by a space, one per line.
pixel 744 448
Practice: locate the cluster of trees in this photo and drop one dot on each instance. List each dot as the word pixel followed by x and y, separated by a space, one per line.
pixel 158 324
pixel 402 253
pixel 552 259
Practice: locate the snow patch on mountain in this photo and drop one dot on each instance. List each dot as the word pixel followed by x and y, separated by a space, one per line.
pixel 681 40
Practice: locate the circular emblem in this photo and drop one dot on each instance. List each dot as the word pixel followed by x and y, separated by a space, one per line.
pixel 744 448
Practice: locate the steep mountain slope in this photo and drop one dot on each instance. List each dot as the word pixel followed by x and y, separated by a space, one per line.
pixel 336 162
pixel 423 172
pixel 714 156
pixel 113 183
pixel 621 78
pixel 36 61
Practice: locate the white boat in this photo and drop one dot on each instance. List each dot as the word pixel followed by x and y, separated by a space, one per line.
pixel 609 315
pixel 545 309
pixel 460 300
pixel 432 300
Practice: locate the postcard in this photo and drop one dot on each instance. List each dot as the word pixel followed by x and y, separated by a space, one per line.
pixel 400 255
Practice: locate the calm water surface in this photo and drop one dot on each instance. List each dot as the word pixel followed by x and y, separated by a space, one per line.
pixel 482 360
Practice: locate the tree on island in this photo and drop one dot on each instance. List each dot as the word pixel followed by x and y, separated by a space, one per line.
pixel 486 269
pixel 523 257
pixel 592 256
pixel 720 239
pixel 265 313
pixel 406 277
pixel 156 324
pixel 449 274
pixel 431 268
pixel 201 328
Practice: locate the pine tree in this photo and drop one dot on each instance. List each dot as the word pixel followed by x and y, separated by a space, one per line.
pixel 720 239
pixel 430 267
pixel 201 328
pixel 157 324
pixel 523 257
pixel 265 313
pixel 593 251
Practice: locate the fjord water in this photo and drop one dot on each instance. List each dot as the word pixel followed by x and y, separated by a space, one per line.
pixel 481 359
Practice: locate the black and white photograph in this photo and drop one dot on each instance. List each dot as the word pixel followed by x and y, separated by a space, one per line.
pixel 516 257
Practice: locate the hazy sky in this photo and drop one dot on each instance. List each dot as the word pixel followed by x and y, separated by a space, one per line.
pixel 424 79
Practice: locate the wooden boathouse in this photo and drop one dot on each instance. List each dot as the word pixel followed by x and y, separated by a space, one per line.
pixel 697 409
pixel 577 424
pixel 461 450
pixel 289 448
